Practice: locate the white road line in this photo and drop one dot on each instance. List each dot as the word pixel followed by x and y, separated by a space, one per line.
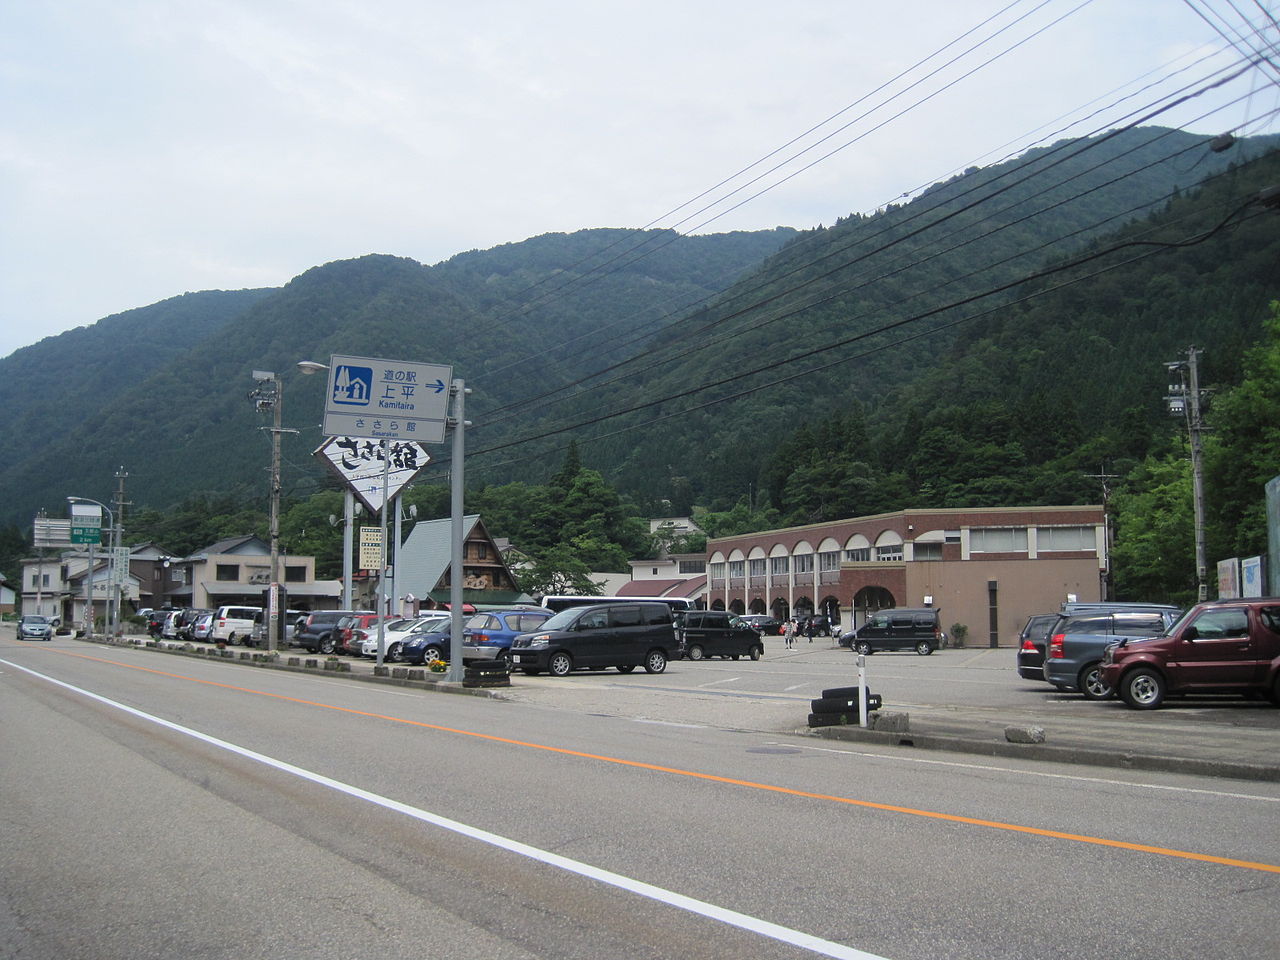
pixel 805 941
pixel 1035 773
pixel 716 682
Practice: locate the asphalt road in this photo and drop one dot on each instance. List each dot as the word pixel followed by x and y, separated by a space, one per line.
pixel 163 807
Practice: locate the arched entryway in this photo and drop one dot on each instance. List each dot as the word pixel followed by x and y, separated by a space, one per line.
pixel 757 606
pixel 736 607
pixel 868 600
pixel 830 608
pixel 780 610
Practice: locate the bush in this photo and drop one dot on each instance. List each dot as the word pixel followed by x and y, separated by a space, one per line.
pixel 959 633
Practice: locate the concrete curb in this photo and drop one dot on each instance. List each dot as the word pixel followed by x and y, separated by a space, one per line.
pixel 1073 754
pixel 174 649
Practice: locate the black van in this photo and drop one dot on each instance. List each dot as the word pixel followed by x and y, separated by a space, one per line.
pixel 899 628
pixel 716 633
pixel 616 634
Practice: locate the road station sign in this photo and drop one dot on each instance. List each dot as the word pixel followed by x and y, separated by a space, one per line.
pixel 387 399
pixel 358 462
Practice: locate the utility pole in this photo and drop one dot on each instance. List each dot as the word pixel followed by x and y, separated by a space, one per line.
pixel 1185 400
pixel 1107 591
pixel 119 576
pixel 270 394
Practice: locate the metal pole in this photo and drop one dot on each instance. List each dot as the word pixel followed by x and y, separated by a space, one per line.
pixel 862 690
pixel 1197 472
pixel 395 557
pixel 119 578
pixel 382 554
pixel 273 594
pixel 348 535
pixel 455 508
pixel 88 596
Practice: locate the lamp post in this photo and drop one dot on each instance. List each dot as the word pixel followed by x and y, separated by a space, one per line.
pixel 113 536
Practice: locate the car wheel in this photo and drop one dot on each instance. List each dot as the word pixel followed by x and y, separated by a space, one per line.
pixel 326 646
pixel 863 648
pixel 560 664
pixel 393 653
pixel 757 653
pixel 924 648
pixel 505 657
pixel 626 667
pixel 1092 685
pixel 1143 689
pixel 231 639
pixel 432 652
pixel 695 652
pixel 655 661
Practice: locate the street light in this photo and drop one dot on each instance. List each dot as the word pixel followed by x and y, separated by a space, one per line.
pixel 113 537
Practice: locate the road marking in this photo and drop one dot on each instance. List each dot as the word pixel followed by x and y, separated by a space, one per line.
pixel 715 682
pixel 711 911
pixel 710 777
pixel 1036 773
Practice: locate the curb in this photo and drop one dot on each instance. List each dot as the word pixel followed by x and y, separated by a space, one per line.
pixel 1057 754
pixel 434 686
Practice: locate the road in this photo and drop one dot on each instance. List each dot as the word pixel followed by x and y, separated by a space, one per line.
pixel 163 807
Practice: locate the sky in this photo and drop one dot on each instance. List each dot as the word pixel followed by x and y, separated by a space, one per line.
pixel 154 147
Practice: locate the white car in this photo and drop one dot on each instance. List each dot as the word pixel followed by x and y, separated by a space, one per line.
pixel 395 638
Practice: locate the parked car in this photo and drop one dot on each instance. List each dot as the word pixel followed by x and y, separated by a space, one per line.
pixel 169 629
pixel 347 641
pixel 1031 643
pixel 429 641
pixel 764 625
pixel 899 628
pixel 716 633
pixel 821 625
pixel 617 634
pixel 185 620
pixel 156 619
pixel 1076 644
pixel 1225 646
pixel 34 627
pixel 487 635
pixel 289 620
pixel 318 633
pixel 232 622
pixel 203 627
pixel 395 634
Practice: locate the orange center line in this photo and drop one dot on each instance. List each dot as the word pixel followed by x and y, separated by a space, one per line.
pixel 716 778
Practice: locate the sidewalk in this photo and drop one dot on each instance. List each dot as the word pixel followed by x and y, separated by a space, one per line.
pixel 1239 741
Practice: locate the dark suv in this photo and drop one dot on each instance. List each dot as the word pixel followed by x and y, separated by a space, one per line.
pixel 319 632
pixel 899 628
pixel 716 633
pixel 1227 646
pixel 1031 643
pixel 619 634
pixel 1076 644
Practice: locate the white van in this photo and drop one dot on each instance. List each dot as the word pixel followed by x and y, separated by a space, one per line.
pixel 232 623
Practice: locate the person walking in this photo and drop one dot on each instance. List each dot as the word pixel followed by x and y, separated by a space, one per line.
pixel 809 628
pixel 789 633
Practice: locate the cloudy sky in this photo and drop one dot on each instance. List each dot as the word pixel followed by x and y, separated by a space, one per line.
pixel 152 147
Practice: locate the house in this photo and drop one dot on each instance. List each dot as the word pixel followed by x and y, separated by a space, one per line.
pixel 422 577
pixel 8 598
pixel 237 570
pixel 986 568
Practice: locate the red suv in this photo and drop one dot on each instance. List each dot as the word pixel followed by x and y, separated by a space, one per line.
pixel 1226 646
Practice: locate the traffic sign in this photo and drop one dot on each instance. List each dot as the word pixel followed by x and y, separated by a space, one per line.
pixel 387 399
pixel 86 523
pixel 359 463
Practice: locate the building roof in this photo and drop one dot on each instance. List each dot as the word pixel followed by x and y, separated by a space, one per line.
pixel 238 546
pixel 426 554
pixel 681 587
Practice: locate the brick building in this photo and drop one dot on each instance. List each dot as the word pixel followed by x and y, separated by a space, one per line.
pixel 987 568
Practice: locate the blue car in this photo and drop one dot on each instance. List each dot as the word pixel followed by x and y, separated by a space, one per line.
pixel 488 634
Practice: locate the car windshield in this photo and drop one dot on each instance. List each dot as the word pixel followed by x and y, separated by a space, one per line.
pixel 35 619
pixel 436 625
pixel 562 620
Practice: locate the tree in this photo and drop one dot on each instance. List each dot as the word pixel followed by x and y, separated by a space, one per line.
pixel 1154 553
pixel 557 570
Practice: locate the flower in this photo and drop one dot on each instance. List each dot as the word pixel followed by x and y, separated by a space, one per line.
pixel 437 666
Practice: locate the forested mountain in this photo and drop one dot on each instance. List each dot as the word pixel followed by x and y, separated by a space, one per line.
pixel 994 340
pixel 161 390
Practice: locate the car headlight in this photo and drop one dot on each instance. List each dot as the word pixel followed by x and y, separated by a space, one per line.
pixel 542 640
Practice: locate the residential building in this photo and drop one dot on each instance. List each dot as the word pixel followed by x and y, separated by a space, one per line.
pixel 424 562
pixel 238 570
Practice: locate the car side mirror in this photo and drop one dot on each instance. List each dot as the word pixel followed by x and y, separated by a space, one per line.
pixel 1191 633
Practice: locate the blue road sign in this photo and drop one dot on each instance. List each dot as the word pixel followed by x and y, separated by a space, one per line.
pixel 387 399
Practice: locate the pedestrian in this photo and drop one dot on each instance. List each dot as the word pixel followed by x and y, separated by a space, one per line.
pixel 809 628
pixel 789 633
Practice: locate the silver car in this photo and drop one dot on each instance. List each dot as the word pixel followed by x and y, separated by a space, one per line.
pixel 33 627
